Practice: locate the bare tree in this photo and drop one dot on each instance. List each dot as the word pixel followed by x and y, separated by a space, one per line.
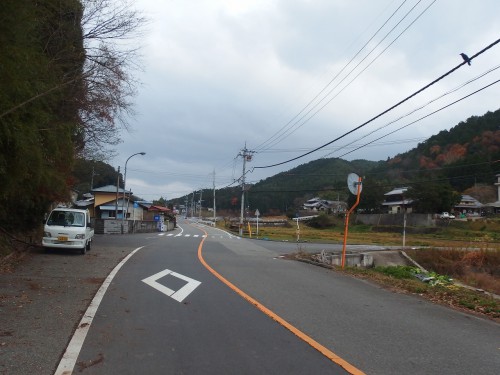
pixel 109 29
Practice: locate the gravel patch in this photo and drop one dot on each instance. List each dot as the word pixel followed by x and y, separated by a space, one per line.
pixel 43 297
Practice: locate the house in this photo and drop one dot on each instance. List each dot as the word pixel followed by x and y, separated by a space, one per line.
pixel 86 203
pixel 152 212
pixel 469 206
pixel 395 201
pixel 494 207
pixel 110 202
pixel 317 204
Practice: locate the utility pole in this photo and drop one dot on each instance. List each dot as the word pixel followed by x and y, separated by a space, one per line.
pixel 199 213
pixel 186 207
pixel 192 206
pixel 215 216
pixel 92 179
pixel 247 156
pixel 117 186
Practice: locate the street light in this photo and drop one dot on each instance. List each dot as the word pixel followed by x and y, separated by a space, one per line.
pixel 124 181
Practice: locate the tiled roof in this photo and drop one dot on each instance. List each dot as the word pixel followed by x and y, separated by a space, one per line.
pixel 110 189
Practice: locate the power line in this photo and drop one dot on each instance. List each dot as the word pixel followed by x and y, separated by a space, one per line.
pixel 283 130
pixel 414 110
pixel 352 144
pixel 423 117
pixel 442 179
pixel 389 109
pixel 406 170
pixel 352 80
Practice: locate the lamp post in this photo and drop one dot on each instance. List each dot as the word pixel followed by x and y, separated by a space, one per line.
pixel 124 182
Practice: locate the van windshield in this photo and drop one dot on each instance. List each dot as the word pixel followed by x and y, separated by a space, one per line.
pixel 67 219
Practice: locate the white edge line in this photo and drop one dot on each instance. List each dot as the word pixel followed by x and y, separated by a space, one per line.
pixel 226 232
pixel 68 360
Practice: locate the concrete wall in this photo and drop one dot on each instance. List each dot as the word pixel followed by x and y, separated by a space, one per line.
pixel 111 226
pixel 412 220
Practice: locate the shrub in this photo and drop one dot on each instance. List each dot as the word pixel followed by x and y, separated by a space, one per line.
pixel 321 222
pixel 398 272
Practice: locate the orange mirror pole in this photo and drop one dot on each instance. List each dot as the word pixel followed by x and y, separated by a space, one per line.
pixel 346 226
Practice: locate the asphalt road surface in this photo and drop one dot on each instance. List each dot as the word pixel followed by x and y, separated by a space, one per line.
pixel 201 301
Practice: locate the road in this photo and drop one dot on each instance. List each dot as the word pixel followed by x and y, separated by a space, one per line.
pixel 201 301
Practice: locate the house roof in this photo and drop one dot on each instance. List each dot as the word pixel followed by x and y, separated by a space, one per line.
pixel 84 203
pixel 313 200
pixel 158 208
pixel 469 202
pixel 105 207
pixel 112 202
pixel 110 189
pixel 398 203
pixel 493 204
pixel 395 191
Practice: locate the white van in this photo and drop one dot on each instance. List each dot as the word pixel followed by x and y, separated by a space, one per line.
pixel 68 228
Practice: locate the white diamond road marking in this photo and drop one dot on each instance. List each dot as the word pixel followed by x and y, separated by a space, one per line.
pixel 179 295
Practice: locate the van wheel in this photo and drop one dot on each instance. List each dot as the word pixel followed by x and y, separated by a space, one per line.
pixel 83 250
pixel 89 245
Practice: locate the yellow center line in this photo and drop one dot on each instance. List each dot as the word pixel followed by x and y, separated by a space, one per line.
pixel 316 345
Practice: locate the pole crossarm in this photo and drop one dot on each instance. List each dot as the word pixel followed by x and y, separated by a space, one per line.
pixel 247 156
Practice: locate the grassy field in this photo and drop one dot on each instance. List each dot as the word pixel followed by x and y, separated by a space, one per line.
pixel 460 234
pixel 468 252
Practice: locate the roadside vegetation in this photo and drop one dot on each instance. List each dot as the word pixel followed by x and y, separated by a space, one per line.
pixel 442 291
pixel 461 253
pixel 484 234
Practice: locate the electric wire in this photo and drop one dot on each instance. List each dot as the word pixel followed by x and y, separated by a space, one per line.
pixel 277 134
pixel 388 109
pixel 297 124
pixel 424 117
pixel 398 141
pixel 447 167
pixel 417 109
pixel 352 80
pixel 284 133
pixel 406 183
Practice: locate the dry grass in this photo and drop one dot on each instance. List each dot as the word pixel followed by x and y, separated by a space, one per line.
pixel 478 268
pixel 484 235
pixel 466 251
pixel 451 295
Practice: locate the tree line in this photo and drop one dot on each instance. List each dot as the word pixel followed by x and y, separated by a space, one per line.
pixel 65 93
pixel 464 159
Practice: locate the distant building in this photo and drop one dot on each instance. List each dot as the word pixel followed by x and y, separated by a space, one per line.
pixel 110 202
pixel 468 206
pixel 323 205
pixel 494 207
pixel 395 201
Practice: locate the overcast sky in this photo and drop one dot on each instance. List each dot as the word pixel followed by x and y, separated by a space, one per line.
pixel 287 76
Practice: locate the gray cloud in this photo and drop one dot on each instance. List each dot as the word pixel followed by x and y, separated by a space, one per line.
pixel 218 74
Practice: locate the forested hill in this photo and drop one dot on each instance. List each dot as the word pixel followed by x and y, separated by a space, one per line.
pixel 466 155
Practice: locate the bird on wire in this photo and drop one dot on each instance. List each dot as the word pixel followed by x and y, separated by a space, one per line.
pixel 466 58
